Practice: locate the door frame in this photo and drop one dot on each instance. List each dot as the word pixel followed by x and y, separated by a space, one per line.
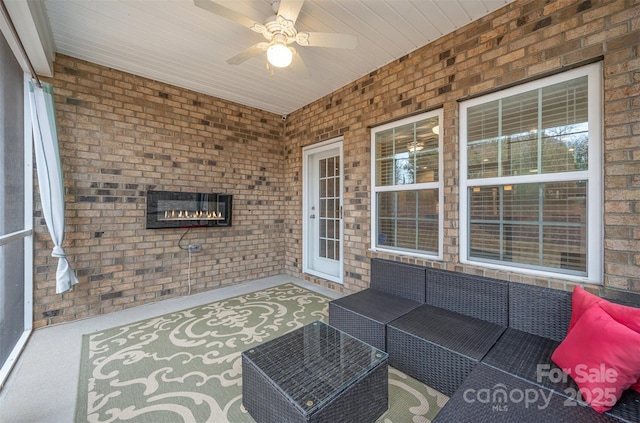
pixel 27 235
pixel 307 152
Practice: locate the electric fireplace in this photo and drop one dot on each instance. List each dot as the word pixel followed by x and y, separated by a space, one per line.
pixel 167 209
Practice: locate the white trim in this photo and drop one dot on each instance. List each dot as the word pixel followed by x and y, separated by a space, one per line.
pixel 32 25
pixel 595 194
pixel 409 187
pixel 5 370
pixel 23 233
pixel 528 179
pixel 593 174
pixel 306 153
pixel 28 212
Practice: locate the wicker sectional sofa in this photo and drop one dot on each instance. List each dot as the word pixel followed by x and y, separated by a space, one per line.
pixel 484 342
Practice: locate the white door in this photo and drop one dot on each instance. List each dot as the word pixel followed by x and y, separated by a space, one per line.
pixel 322 214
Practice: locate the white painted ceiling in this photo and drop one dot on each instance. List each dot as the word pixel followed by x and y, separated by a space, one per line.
pixel 174 41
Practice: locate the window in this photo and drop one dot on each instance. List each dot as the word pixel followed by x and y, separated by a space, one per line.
pixel 407 186
pixel 530 177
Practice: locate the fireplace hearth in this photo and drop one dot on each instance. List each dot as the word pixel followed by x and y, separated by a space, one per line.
pixel 168 209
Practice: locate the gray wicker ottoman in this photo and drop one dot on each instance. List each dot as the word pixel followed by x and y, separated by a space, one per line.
pixel 395 289
pixel 315 374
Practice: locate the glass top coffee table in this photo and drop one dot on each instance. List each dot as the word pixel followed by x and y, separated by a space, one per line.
pixel 312 374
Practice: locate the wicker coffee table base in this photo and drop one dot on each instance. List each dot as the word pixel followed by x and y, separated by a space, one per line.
pixel 324 375
pixel 364 401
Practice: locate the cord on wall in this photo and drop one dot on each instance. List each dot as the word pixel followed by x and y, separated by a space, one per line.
pixel 190 248
pixel 189 274
pixel 180 240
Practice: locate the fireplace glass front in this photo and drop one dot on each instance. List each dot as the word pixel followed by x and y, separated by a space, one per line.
pixel 167 209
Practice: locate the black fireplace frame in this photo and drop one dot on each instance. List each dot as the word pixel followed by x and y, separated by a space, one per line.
pixel 190 210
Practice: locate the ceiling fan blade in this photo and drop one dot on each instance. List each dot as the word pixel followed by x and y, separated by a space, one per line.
pixel 247 54
pixel 298 67
pixel 225 12
pixel 327 39
pixel 290 9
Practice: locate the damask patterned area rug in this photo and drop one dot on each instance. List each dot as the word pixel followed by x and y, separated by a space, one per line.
pixel 186 366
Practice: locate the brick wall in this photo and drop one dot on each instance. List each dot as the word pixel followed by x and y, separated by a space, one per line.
pixel 527 39
pixel 121 135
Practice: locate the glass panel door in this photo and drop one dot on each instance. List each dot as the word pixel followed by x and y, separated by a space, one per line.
pixel 322 255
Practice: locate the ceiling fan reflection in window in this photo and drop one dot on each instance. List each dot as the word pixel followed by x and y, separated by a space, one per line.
pixel 280 32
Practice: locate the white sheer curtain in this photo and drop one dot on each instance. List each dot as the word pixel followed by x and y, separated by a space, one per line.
pixel 50 177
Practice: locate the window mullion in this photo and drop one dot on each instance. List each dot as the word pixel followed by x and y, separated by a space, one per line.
pixel 414 155
pixel 539 132
pixel 540 224
pixel 417 214
pixel 395 218
pixel 500 191
pixel 540 185
pixel 394 153
pixel 499 164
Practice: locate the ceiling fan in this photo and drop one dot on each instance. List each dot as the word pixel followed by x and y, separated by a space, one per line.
pixel 280 32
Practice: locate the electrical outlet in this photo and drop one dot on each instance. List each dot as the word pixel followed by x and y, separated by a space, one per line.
pixel 195 247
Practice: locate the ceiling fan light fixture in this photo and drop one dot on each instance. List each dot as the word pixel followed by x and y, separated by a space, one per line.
pixel 279 55
pixel 415 146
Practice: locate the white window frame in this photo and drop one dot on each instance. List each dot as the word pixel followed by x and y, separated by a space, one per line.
pixel 593 175
pixel 439 185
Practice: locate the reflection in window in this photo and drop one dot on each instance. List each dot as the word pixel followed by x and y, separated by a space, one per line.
pixel 540 225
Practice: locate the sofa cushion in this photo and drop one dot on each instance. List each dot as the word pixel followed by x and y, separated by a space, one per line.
pixel 457 332
pixel 490 395
pixel 439 347
pixel 528 357
pixel 602 356
pixel 365 314
pixel 475 296
pixel 398 279
pixel 376 305
pixel 541 311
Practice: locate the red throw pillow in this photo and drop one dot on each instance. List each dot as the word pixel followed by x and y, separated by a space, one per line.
pixel 628 316
pixel 581 300
pixel 602 356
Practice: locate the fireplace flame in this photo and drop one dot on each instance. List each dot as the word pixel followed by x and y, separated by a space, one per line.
pixel 191 215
